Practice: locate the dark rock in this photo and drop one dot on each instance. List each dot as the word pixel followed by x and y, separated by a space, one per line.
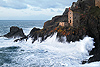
pixel 66 11
pixel 83 62
pixel 1 36
pixel 23 38
pixel 33 31
pixel 55 21
pixel 92 22
pixel 31 34
pixel 15 32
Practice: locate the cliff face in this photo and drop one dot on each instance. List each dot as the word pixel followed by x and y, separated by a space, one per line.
pixel 93 24
pixel 89 25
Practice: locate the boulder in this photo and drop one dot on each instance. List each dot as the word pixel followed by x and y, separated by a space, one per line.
pixel 15 32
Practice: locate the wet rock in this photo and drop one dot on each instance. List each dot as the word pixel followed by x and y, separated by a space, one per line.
pixel 33 31
pixel 32 34
pixel 15 32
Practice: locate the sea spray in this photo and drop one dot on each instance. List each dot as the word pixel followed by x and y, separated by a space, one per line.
pixel 49 53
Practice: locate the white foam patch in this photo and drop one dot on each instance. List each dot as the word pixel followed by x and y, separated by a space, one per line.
pixel 51 53
pixel 93 64
pixel 27 30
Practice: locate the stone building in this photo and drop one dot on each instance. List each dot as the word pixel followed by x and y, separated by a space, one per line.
pixel 97 3
pixel 73 18
pixel 62 24
pixel 70 17
pixel 74 15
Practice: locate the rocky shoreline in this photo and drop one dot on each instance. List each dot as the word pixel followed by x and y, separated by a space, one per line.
pixel 89 25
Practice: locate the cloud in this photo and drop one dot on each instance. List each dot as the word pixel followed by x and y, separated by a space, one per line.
pixel 52 10
pixel 36 9
pixel 15 4
pixel 32 9
pixel 43 4
pixel 59 11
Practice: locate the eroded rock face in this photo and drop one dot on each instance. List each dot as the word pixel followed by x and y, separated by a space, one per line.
pixel 91 21
pixel 15 32
pixel 94 32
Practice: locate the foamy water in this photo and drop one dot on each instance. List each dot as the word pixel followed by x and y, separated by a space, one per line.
pixel 49 53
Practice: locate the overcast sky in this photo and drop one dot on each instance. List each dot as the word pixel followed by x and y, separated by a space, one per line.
pixel 32 9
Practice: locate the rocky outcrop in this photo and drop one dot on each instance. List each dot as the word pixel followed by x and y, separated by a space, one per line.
pixel 31 34
pixel 66 11
pixel 55 21
pixel 89 25
pixel 15 32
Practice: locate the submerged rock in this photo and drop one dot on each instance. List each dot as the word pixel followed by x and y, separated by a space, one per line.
pixel 15 32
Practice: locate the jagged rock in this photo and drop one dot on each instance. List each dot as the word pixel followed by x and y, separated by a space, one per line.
pixel 31 34
pixel 15 32
pixel 66 11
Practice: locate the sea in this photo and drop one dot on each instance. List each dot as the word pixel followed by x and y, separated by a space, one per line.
pixel 49 53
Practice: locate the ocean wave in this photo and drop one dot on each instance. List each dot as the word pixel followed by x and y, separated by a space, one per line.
pixel 49 53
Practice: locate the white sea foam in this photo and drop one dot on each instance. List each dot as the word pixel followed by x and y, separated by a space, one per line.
pixel 51 53
pixel 27 30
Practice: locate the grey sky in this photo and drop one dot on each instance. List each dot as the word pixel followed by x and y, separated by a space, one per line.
pixel 31 8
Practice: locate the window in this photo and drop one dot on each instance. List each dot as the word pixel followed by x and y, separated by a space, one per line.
pixel 70 13
pixel 70 21
pixel 70 17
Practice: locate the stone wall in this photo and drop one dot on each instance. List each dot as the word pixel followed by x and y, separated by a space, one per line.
pixel 62 24
pixel 67 24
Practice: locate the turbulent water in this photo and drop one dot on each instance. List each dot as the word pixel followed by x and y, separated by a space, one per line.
pixel 49 53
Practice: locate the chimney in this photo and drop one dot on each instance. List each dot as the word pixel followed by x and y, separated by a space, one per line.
pixel 69 8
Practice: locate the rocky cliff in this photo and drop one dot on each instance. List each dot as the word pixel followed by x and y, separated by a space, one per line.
pixel 89 25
